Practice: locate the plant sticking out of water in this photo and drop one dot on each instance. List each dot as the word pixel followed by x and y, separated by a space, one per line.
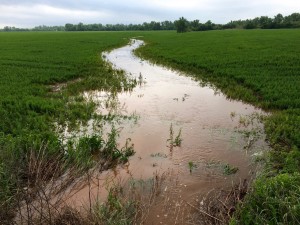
pixel 90 149
pixel 159 155
pixel 191 166
pixel 174 142
pixel 232 115
pixel 228 169
pixel 115 210
pixel 185 96
pixel 170 140
pixel 127 151
pixel 111 150
pixel 178 139
pixel 250 128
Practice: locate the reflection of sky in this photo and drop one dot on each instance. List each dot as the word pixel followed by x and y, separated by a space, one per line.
pixel 29 13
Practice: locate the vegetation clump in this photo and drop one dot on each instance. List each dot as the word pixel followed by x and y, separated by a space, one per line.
pixel 174 142
pixel 192 166
pixel 228 169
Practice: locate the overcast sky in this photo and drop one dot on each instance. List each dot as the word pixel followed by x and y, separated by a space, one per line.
pixel 30 13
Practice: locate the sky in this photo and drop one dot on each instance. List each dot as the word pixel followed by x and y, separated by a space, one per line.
pixel 31 13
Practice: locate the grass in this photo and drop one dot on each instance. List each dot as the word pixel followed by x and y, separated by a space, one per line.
pixel 281 206
pixel 260 67
pixel 31 64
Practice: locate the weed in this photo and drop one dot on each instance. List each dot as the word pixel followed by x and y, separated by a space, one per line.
pixel 174 142
pixel 191 165
pixel 228 169
pixel 178 139
pixel 115 210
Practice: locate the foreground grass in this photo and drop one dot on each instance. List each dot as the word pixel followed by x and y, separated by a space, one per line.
pixel 261 67
pixel 31 66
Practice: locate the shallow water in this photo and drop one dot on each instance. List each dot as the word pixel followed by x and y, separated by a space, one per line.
pixel 210 127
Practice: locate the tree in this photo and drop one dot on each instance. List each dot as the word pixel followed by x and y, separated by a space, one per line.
pixel 80 27
pixel 69 27
pixel 181 25
pixel 265 22
pixel 167 25
pixel 278 18
pixel 195 24
pixel 7 28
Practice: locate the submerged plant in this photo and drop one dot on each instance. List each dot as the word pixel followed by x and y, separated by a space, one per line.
pixel 174 142
pixel 158 155
pixel 87 151
pixel 115 210
pixel 191 165
pixel 232 115
pixel 111 150
pixel 228 169
pixel 178 139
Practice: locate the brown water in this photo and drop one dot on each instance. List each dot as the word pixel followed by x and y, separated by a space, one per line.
pixel 209 124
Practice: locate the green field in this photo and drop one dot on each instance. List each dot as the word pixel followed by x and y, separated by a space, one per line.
pixel 30 64
pixel 258 66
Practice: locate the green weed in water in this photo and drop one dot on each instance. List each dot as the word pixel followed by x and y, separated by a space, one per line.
pixel 228 169
pixel 191 165
pixel 174 142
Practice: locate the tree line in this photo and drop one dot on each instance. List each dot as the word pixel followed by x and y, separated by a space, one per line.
pixel 181 25
pixel 263 22
pixel 166 25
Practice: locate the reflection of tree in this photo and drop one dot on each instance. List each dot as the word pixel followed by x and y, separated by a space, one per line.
pixel 141 80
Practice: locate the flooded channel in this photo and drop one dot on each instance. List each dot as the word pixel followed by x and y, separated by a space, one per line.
pixel 180 128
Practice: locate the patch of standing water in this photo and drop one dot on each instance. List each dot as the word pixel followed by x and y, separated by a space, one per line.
pixel 211 130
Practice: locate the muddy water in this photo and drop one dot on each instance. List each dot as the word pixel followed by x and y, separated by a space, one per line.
pixel 166 100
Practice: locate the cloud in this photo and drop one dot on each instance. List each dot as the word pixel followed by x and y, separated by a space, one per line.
pixel 29 13
pixel 26 15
